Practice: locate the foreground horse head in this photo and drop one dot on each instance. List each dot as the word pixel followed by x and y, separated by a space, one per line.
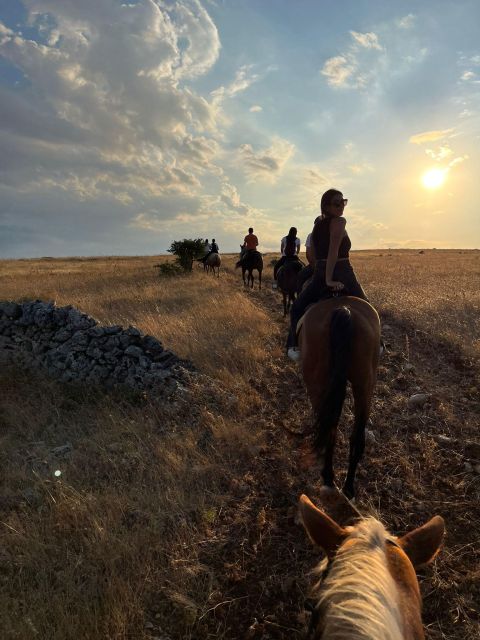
pixel 213 262
pixel 368 589
pixel 287 282
pixel 250 260
pixel 339 341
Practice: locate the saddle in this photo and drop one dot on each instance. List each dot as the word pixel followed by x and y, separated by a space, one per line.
pixel 329 294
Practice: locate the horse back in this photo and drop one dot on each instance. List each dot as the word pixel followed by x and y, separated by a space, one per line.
pixel 287 276
pixel 314 340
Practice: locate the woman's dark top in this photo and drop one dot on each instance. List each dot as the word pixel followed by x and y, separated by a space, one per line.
pixel 321 241
pixel 290 246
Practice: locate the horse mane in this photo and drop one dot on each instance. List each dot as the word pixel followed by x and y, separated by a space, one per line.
pixel 358 598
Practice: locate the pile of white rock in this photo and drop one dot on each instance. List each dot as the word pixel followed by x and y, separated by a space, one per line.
pixel 71 345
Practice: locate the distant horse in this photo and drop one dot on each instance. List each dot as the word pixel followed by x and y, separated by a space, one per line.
pixel 287 282
pixel 368 587
pixel 339 341
pixel 213 261
pixel 250 260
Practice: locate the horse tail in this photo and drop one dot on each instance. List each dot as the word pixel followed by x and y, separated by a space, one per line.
pixel 239 264
pixel 327 417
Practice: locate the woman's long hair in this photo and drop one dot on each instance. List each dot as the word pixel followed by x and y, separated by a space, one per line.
pixel 327 199
pixel 292 234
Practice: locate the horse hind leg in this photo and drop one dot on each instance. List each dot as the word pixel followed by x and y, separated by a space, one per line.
pixel 362 395
pixel 325 440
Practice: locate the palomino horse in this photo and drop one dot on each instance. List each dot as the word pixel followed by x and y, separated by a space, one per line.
pixel 250 260
pixel 287 282
pixel 368 588
pixel 213 261
pixel 339 341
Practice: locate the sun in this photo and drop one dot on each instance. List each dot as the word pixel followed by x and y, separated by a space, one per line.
pixel 434 178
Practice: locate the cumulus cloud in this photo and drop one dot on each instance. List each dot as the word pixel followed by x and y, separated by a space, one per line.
pixel 255 108
pixel 106 126
pixel 430 136
pixel 266 164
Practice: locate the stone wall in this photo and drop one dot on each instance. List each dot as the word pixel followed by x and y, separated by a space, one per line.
pixel 71 345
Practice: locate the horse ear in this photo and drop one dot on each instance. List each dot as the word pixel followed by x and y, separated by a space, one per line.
pixel 422 544
pixel 321 529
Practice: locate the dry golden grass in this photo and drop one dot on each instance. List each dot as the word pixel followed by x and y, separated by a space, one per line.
pixel 438 292
pixel 171 518
pixel 217 327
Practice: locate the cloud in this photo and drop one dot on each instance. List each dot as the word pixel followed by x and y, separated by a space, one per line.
pixel 106 115
pixel 440 153
pixel 366 40
pixel 359 169
pixel 457 161
pixel 406 22
pixel 256 108
pixel 354 68
pixel 266 164
pixel 242 81
pixel 338 70
pixel 430 136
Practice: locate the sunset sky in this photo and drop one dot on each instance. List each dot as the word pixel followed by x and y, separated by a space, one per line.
pixel 126 125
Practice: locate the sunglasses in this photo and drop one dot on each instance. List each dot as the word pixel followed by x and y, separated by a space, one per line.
pixel 340 203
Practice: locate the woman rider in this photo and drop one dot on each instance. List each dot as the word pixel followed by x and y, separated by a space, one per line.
pixel 289 248
pixel 332 272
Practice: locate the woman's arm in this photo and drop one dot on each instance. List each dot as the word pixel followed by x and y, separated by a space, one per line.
pixel 282 246
pixel 337 230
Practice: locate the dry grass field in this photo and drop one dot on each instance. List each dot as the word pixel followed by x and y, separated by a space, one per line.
pixel 176 519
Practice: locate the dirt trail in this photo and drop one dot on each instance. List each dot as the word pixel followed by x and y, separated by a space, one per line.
pixel 407 475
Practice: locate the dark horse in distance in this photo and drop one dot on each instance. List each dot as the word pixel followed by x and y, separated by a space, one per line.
pixel 250 260
pixel 339 341
pixel 287 282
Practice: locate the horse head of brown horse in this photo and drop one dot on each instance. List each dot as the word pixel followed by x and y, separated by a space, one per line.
pixel 368 587
pixel 339 341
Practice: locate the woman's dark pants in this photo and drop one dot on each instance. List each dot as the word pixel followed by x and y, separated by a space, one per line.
pixel 317 290
pixel 305 274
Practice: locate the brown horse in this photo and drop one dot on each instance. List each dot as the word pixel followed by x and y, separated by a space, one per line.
pixel 368 587
pixel 250 260
pixel 287 282
pixel 213 261
pixel 339 341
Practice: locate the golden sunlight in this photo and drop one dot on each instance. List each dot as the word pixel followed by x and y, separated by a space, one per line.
pixel 434 178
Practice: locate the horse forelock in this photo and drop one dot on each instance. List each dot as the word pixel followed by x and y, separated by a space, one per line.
pixel 358 598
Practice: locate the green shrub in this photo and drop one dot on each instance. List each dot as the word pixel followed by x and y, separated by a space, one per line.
pixel 187 251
